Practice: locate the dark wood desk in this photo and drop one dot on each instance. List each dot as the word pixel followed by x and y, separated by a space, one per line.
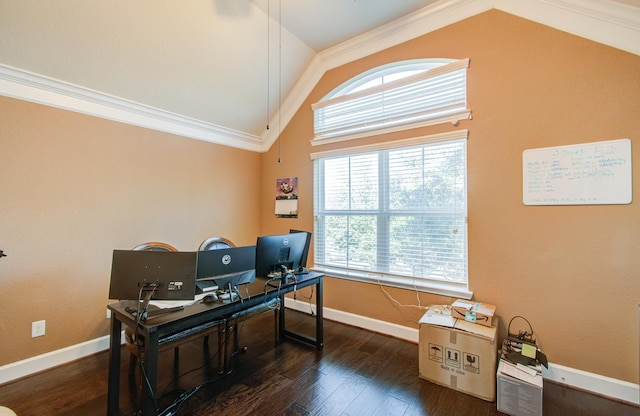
pixel 159 327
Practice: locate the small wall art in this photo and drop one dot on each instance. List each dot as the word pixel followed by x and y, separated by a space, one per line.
pixel 287 198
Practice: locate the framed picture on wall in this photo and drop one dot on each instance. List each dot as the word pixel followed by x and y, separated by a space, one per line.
pixel 287 198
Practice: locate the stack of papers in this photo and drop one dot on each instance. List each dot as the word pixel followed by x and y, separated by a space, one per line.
pixel 520 372
pixel 438 315
pixel 441 315
pixel 163 304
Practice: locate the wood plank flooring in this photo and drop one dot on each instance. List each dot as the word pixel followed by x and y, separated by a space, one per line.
pixel 357 373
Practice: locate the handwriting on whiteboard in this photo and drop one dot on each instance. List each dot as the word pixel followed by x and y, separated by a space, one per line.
pixel 592 173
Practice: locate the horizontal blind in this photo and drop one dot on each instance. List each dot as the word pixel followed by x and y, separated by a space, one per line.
pixel 432 94
pixel 394 212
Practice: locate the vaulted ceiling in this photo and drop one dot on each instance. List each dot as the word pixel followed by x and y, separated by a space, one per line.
pixel 222 70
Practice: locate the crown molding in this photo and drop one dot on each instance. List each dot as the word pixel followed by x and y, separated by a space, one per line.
pixel 428 19
pixel 608 22
pixel 299 93
pixel 36 88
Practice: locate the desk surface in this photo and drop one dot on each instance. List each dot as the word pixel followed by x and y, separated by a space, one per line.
pixel 253 294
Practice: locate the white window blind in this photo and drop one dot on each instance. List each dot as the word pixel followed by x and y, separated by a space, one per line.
pixel 429 97
pixel 396 215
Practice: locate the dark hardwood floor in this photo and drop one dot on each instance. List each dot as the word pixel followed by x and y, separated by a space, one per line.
pixel 357 373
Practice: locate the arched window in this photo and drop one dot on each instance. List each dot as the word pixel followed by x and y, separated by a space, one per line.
pixel 395 212
pixel 393 97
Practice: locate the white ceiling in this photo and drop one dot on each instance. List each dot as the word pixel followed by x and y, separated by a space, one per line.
pixel 221 70
pixel 320 24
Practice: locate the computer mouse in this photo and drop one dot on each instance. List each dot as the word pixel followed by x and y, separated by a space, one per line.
pixel 210 297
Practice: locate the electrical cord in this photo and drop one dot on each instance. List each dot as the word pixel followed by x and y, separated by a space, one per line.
pixel 140 316
pixel 308 298
pixel 174 407
pixel 526 336
pixel 183 397
pixel 173 382
pixel 177 403
pixel 148 384
pixel 392 299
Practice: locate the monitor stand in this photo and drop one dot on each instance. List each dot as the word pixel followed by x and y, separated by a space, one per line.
pixel 141 313
pixel 229 294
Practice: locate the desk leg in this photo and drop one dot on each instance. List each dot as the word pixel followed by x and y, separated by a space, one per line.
pixel 113 386
pixel 284 332
pixel 319 321
pixel 276 328
pixel 150 365
pixel 281 329
pixel 222 347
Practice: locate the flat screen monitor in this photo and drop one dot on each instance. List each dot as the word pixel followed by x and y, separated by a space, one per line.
pixel 273 251
pixel 225 267
pixel 169 275
pixel 305 253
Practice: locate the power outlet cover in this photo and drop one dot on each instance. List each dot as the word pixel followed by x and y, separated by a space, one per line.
pixel 37 329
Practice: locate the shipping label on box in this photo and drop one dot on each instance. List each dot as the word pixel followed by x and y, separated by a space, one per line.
pixel 458 359
pixel 474 312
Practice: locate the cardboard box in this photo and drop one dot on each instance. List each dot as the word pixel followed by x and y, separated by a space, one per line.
pixel 458 359
pixel 474 312
pixel 519 393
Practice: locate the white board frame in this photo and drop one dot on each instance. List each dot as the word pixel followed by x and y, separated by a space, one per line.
pixel 581 174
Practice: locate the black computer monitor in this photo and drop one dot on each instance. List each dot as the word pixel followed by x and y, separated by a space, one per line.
pixel 225 268
pixel 305 253
pixel 164 275
pixel 273 251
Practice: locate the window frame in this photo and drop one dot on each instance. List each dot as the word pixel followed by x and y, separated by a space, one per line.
pixel 447 288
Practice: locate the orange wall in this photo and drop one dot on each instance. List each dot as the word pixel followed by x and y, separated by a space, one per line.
pixel 571 270
pixel 74 187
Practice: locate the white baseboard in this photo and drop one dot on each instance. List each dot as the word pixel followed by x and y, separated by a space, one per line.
pixel 52 359
pixel 595 383
pixel 606 386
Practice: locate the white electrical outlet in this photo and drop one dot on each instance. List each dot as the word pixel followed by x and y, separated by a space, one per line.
pixel 108 313
pixel 37 329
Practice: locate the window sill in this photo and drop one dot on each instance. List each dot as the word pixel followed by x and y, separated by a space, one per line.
pixel 437 288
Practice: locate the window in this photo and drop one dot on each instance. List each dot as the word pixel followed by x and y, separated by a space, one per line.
pixel 394 97
pixel 394 213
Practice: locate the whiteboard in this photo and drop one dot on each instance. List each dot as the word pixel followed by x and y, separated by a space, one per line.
pixel 581 174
